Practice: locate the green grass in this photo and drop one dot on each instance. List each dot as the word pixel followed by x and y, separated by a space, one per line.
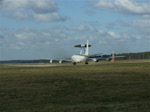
pixel 97 88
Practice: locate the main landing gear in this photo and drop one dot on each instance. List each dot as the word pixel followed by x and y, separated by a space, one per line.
pixel 86 63
pixel 74 63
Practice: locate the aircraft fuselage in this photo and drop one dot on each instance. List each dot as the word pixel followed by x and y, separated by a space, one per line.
pixel 79 58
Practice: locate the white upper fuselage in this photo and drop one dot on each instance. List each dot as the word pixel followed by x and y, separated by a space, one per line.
pixel 79 58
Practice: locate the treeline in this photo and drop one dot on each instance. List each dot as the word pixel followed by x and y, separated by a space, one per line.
pixel 140 55
pixel 25 61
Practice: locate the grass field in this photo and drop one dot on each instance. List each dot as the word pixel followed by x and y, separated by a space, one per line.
pixel 116 87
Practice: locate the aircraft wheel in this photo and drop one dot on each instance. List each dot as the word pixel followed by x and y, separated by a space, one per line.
pixel 86 63
pixel 74 63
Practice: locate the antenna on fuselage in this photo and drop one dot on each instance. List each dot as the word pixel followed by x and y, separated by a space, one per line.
pixel 84 48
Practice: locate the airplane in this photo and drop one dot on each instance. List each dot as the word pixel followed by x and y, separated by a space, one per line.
pixel 84 54
pixel 98 58
pixel 82 57
pixel 85 57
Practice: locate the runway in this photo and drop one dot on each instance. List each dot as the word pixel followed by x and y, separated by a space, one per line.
pixel 37 65
pixel 46 64
pixel 70 64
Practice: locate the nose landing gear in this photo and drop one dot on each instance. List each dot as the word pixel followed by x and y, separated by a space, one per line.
pixel 86 63
pixel 74 63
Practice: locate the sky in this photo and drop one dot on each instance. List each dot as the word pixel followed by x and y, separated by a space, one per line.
pixel 49 29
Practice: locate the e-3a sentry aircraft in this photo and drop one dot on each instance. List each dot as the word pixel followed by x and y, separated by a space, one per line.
pixel 85 57
pixel 82 57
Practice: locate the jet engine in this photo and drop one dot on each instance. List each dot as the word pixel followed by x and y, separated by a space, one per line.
pixel 51 61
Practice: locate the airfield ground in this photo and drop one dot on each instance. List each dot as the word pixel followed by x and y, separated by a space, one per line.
pixel 122 86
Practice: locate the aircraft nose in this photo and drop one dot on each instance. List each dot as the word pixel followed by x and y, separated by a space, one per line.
pixel 72 57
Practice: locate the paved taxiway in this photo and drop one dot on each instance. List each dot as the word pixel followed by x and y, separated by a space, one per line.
pixel 46 65
pixel 70 64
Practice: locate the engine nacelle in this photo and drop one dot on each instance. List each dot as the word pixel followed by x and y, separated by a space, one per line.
pixel 51 61
pixel 95 60
pixel 60 61
pixel 108 59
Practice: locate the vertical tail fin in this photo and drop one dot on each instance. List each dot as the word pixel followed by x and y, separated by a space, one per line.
pixel 87 48
pixel 113 56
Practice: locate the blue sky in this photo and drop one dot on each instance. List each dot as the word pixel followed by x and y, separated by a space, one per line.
pixel 45 29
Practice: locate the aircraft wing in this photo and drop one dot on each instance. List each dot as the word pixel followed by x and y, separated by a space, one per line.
pixel 89 55
pixel 95 54
pixel 119 56
pixel 60 60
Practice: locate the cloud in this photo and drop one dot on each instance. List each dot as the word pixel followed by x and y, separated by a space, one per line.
pixel 83 28
pixel 123 6
pixel 49 17
pixel 40 10
pixel 24 38
pixel 141 23
pixel 142 27
pixel 37 6
pixel 113 34
pixel 28 38
pixel 135 28
pixel 52 41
